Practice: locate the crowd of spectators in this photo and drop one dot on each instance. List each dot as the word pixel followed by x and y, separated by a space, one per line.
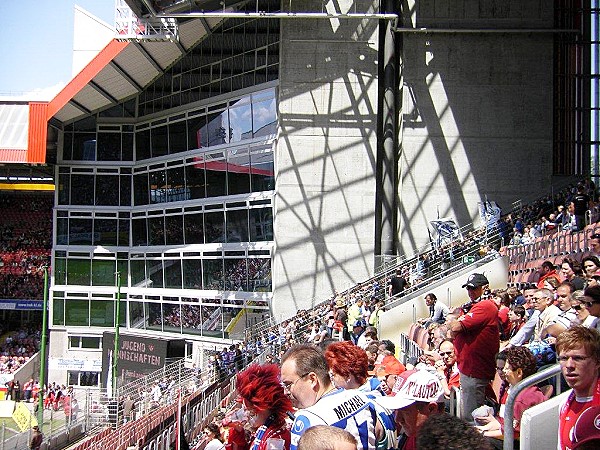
pixel 25 244
pixel 18 347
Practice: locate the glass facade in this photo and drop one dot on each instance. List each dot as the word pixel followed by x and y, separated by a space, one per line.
pixel 174 190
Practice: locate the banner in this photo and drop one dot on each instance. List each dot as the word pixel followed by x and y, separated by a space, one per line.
pixel 446 231
pixel 22 417
pixel 490 213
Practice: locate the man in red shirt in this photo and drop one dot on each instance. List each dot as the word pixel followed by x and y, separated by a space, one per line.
pixel 476 342
pixel 578 350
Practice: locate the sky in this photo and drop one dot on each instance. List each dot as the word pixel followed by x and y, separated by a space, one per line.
pixel 36 43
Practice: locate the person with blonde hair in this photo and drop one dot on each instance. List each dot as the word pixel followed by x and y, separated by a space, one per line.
pixel 325 437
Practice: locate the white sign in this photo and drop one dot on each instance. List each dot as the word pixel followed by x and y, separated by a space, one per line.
pixel 83 365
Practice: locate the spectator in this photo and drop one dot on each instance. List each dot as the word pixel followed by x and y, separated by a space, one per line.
pixel 590 265
pixel 592 304
pixel 265 401
pixel 567 314
pixel 37 438
pixel 516 316
pixel 571 271
pixel 443 431
pixel 581 203
pixel 212 435
pixel 547 271
pixel 305 377
pixel 544 300
pixel 578 350
pixel 586 433
pixel 594 244
pixel 447 370
pixel 348 367
pixel 437 311
pixel 476 343
pixel 396 284
pixel 358 329
pixel 520 364
pixel 417 395
pixel 323 437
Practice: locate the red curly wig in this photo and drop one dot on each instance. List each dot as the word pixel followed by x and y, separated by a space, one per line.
pixel 345 359
pixel 260 387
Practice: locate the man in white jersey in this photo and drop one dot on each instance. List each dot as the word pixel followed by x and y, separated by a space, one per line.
pixel 305 378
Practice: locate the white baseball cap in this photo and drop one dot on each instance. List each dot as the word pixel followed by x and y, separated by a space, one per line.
pixel 413 386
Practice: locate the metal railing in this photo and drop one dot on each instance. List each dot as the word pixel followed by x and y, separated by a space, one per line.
pixel 545 374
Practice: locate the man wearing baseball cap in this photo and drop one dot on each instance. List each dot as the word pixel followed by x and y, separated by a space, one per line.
pixel 476 342
pixel 416 395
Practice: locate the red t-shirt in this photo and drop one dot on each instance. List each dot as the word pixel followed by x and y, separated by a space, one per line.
pixel 569 412
pixel 479 341
pixel 527 398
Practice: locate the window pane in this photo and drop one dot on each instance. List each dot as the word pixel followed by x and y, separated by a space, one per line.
pixel 102 313
pixel 177 137
pixel 123 239
pixel 84 147
pixel 174 229
pixel 107 190
pixel 125 191
pixel 171 318
pixel 261 224
pixel 259 274
pixel 139 232
pixel 138 271
pixel 59 269
pixel 192 274
pixel 237 226
pixel 90 342
pixel 195 180
pixel 58 311
pixel 64 186
pixel 80 232
pixel 105 232
pixel 238 172
pixel 77 312
pixel 213 274
pixel 127 147
pixel 142 145
pixel 136 315
pixel 109 146
pixel 154 316
pixel 194 229
pixel 176 184
pixel 240 121
pixel 173 273
pixel 211 327
pixel 191 319
pixel 82 189
pixel 103 272
pixel 160 142
pixel 217 128
pixel 154 269
pixel 158 186
pixel 68 146
pixel 214 227
pixel 140 189
pixel 62 231
pixel 236 275
pixel 197 137
pixel 78 272
pixel 156 231
pixel 263 171
pixel 216 174
pixel 264 114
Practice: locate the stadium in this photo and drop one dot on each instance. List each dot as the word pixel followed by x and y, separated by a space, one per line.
pixel 219 167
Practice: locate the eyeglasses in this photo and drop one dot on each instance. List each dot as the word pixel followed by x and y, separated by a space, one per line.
pixel 576 358
pixel 287 385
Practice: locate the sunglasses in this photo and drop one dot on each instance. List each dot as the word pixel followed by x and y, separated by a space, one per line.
pixel 445 353
pixel 577 307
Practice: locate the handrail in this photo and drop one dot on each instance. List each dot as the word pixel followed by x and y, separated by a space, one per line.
pixel 509 431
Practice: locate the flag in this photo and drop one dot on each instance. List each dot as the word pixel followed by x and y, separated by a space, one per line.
pixel 446 231
pixel 489 212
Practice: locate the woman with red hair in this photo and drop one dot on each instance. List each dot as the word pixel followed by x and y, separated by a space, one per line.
pixel 348 367
pixel 261 394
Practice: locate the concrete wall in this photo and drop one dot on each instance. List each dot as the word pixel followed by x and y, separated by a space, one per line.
pixel 450 292
pixel 477 110
pixel 325 161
